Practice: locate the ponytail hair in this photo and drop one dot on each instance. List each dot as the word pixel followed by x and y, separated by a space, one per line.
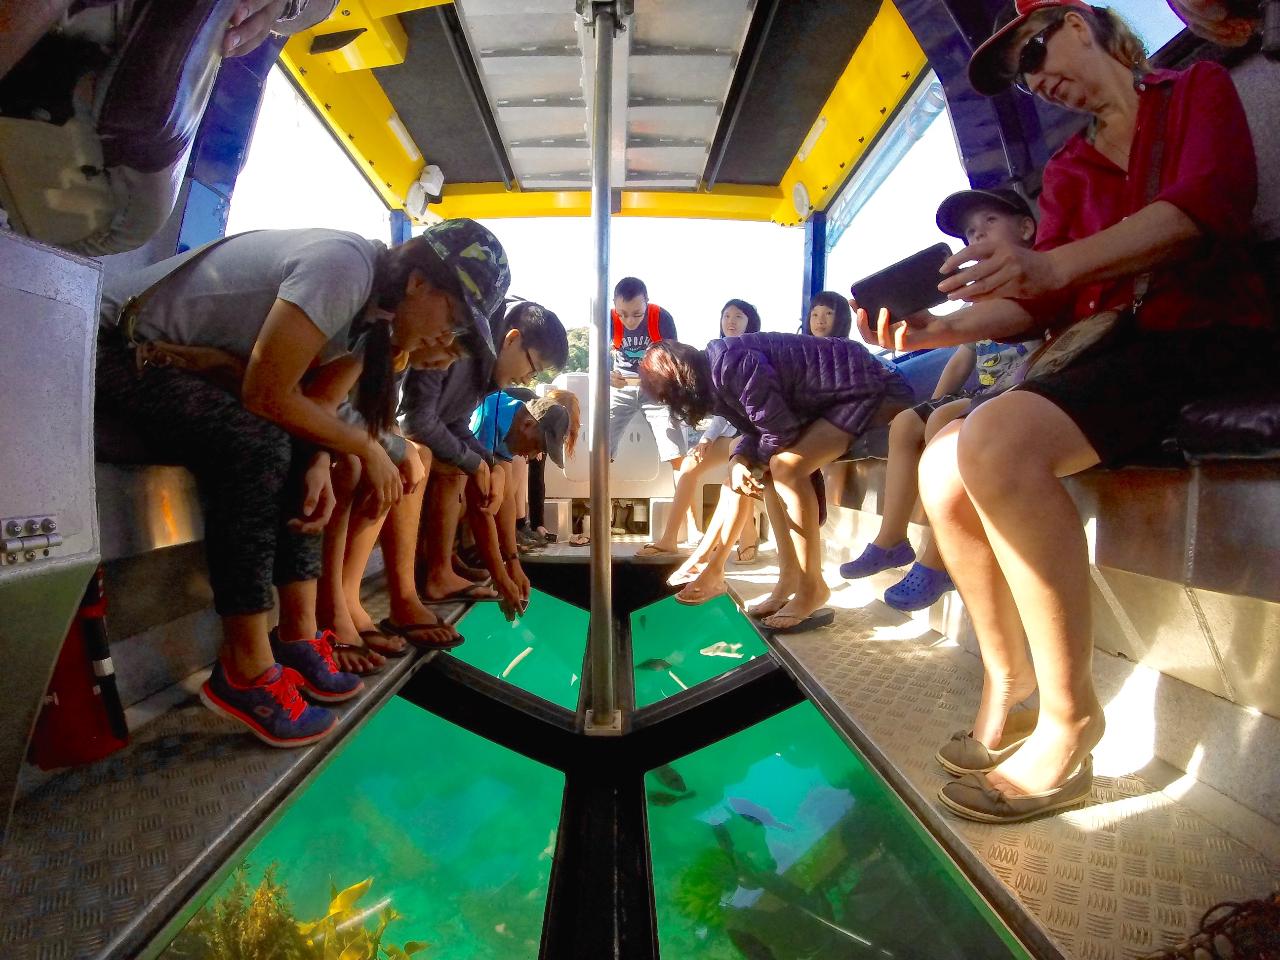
pixel 375 398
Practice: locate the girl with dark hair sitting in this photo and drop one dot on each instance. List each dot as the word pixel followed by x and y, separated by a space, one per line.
pixel 798 403
pixel 287 305
pixel 829 316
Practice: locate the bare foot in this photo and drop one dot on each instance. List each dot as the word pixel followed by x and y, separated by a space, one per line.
pixel 357 658
pixel 687 572
pixel 702 589
pixel 1051 754
pixel 809 598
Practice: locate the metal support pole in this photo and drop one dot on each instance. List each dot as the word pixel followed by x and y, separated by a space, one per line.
pixel 603 716
pixel 815 257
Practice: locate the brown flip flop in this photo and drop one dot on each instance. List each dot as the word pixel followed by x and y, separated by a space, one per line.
pixel 378 642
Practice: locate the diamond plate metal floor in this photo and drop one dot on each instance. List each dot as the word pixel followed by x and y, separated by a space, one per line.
pixel 100 856
pixel 1127 874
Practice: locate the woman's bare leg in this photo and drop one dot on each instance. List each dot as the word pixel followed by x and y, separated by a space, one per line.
pixel 732 514
pixel 1008 676
pixel 332 610
pixel 788 567
pixel 687 485
pixel 928 555
pixel 789 471
pixel 1012 453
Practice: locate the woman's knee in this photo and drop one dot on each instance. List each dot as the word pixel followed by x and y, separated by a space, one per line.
pixel 347 470
pixel 906 430
pixel 939 474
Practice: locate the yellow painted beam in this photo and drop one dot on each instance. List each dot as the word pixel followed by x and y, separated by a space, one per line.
pixel 880 73
pixel 492 200
pixel 356 109
pixel 389 8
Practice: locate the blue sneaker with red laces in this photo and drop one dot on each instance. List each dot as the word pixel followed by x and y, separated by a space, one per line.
pixel 270 706
pixel 313 660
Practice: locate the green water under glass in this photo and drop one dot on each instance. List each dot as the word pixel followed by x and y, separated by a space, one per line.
pixel 777 843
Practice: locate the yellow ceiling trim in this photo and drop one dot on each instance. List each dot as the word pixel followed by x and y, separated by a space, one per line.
pixel 883 69
pixel 492 200
pixel 352 103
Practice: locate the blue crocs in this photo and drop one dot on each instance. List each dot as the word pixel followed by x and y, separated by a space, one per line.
pixel 921 588
pixel 874 559
pixel 270 707
pixel 313 660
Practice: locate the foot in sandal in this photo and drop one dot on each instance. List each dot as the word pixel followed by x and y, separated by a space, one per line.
pixel 701 591
pixel 810 598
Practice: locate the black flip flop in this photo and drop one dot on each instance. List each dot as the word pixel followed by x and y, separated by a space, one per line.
pixel 407 631
pixel 466 594
pixel 822 617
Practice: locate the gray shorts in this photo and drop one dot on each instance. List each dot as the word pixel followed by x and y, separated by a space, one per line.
pixel 625 403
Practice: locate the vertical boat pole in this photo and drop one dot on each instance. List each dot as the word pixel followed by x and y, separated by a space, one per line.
pixel 603 716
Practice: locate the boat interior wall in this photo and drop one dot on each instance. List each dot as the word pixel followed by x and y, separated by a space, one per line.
pixel 48 525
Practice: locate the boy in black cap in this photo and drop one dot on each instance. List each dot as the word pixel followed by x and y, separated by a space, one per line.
pixel 971 216
pixel 506 428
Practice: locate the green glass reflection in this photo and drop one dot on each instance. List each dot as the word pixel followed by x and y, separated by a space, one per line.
pixel 676 646
pixel 541 652
pixel 778 843
pixel 456 833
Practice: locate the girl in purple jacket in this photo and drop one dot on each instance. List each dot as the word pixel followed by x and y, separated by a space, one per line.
pixel 798 403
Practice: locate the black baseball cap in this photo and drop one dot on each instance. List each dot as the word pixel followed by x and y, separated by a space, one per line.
pixel 953 210
pixel 553 421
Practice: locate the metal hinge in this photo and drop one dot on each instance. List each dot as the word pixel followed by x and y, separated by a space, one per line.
pixel 25 539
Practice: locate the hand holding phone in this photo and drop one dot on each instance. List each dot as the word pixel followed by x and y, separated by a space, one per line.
pixel 906 288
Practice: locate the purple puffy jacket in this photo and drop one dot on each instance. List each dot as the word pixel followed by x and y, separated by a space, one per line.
pixel 773 385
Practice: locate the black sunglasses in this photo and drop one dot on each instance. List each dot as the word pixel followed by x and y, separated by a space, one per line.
pixel 1033 54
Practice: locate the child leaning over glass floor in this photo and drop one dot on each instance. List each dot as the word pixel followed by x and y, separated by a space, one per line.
pixel 506 428
pixel 971 216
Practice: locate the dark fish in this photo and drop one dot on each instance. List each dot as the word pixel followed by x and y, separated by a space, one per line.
pixel 654 663
pixel 752 812
pixel 669 777
pixel 659 799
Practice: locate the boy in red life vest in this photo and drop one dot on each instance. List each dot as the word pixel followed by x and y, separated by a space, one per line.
pixel 637 324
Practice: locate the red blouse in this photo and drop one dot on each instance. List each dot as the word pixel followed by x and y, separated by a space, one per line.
pixel 1209 173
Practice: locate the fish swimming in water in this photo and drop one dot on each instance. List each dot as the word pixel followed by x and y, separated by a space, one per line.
pixel 654 663
pixel 660 799
pixel 754 813
pixel 669 777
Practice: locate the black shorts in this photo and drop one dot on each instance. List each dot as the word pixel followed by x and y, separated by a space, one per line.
pixel 923 410
pixel 1126 397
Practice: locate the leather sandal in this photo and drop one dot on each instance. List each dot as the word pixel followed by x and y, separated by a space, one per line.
pixel 975 798
pixel 964 754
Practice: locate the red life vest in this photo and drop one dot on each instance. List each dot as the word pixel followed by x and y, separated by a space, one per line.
pixel 653 315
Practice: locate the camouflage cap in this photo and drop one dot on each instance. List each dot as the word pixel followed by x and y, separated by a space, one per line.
pixel 477 259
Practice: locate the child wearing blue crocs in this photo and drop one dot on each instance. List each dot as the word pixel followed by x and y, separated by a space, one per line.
pixel 971 216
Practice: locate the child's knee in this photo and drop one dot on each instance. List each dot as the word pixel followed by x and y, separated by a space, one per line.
pixel 347 471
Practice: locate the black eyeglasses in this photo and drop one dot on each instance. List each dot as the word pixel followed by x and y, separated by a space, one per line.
pixel 1032 56
pixel 533 367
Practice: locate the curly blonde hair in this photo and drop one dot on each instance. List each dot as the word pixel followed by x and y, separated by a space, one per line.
pixel 1109 29
pixel 569 400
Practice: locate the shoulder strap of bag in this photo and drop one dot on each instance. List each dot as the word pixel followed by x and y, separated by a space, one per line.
pixel 655 322
pixel 617 329
pixel 1155 171
pixel 128 320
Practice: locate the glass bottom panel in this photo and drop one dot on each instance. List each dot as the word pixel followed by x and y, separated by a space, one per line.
pixel 541 652
pixel 449 832
pixel 778 843
pixel 676 647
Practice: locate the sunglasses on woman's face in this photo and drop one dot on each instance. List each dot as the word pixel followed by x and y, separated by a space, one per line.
pixel 1033 54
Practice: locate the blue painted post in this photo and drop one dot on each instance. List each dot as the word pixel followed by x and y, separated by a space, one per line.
pixel 401 227
pixel 222 143
pixel 815 257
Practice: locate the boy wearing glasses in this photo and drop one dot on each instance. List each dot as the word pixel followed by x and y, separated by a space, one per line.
pixel 435 411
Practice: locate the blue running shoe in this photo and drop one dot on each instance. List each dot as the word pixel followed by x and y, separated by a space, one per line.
pixel 270 707
pixel 313 660
pixel 921 588
pixel 874 559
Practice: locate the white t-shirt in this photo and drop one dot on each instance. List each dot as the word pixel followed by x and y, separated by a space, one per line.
pixel 222 301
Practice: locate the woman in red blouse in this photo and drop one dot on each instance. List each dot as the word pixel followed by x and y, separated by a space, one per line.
pixel 1159 185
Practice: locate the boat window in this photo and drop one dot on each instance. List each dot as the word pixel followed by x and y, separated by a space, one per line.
pixel 296 175
pixel 899 218
pixel 1156 23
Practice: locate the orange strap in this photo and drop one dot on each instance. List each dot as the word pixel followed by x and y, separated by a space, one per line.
pixel 654 317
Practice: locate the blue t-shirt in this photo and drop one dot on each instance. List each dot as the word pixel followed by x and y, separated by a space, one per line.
pixel 491 422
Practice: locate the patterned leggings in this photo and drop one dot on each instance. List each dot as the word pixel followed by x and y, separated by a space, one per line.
pixel 248 471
